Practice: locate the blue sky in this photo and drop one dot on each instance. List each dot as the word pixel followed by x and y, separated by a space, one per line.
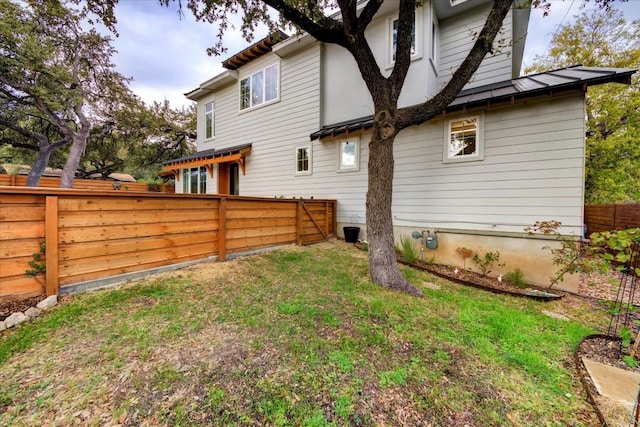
pixel 166 56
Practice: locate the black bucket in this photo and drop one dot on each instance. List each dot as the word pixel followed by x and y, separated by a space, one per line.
pixel 351 234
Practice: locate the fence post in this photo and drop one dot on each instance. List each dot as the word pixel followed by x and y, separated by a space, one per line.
pixel 299 226
pixel 222 229
pixel 51 245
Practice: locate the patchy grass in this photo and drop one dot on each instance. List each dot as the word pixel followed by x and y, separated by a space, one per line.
pixel 296 337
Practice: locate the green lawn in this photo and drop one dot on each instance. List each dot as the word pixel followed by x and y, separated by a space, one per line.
pixel 296 337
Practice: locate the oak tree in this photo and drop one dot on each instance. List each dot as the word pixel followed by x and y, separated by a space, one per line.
pixel 56 80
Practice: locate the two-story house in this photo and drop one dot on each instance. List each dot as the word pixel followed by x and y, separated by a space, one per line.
pixel 292 117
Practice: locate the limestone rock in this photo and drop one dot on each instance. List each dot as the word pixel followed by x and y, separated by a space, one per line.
pixel 48 302
pixel 32 313
pixel 2 326
pixel 15 319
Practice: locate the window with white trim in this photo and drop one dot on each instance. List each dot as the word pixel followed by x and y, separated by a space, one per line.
pixel 349 154
pixel 416 51
pixel 435 36
pixel 194 180
pixel 209 117
pixel 260 87
pixel 464 139
pixel 303 160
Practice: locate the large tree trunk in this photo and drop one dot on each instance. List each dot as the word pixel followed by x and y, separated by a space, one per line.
pixel 71 166
pixel 382 257
pixel 39 166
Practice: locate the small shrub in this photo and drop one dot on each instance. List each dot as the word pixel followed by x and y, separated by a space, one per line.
pixel 464 253
pixel 486 263
pixel 406 248
pixel 516 277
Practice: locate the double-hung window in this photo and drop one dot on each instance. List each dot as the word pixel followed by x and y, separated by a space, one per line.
pixel 464 139
pixel 260 87
pixel 194 180
pixel 209 120
pixel 303 160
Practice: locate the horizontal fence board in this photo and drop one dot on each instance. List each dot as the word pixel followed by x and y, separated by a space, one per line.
pixel 133 203
pixel 21 199
pixel 21 287
pixel 16 266
pixel 241 245
pixel 247 233
pixel 262 205
pixel 85 219
pixel 98 248
pixel 129 259
pixel 261 213
pixel 21 212
pixel 122 270
pixel 92 234
pixel 260 222
pixel 19 247
pixel 20 230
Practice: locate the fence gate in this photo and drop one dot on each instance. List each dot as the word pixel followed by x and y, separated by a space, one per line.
pixel 315 221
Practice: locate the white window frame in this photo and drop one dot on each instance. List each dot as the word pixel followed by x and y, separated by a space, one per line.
pixel 253 91
pixel 434 40
pixel 342 165
pixel 309 159
pixel 209 131
pixel 418 31
pixel 479 152
pixel 201 173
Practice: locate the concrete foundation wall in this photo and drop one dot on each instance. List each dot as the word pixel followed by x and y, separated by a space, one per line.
pixel 516 251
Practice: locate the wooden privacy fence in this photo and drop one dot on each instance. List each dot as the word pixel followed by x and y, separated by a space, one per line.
pixel 599 218
pixel 94 235
pixel 81 184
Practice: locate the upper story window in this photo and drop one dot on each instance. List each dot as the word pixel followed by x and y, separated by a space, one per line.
pixel 349 155
pixel 433 45
pixel 209 117
pixel 303 160
pixel 260 87
pixel 464 140
pixel 394 22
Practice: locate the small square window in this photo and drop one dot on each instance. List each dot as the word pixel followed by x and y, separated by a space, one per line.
pixel 463 139
pixel 349 156
pixel 303 160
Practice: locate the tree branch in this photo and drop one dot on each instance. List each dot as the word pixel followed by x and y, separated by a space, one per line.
pixel 415 115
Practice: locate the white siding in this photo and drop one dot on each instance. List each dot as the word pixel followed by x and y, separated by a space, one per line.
pixel 346 95
pixel 457 36
pixel 533 169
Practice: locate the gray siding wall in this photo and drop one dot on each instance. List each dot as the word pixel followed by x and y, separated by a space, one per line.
pixel 533 169
pixel 457 36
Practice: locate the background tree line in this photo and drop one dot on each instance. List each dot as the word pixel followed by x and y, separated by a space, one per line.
pixel 63 104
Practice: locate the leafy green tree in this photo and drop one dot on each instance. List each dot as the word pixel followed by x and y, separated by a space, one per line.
pixel 56 80
pixel 140 139
pixel 604 38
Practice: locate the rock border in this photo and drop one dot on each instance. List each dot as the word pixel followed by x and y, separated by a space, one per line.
pixel 19 317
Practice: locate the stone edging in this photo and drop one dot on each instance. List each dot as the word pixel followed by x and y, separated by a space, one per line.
pixel 19 317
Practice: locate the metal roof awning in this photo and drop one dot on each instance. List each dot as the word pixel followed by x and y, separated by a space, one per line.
pixel 547 83
pixel 207 158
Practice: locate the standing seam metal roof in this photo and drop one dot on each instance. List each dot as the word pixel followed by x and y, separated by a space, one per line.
pixel 574 77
